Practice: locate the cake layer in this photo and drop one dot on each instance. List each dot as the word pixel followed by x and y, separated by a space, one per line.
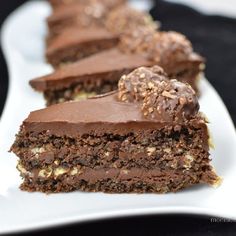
pixel 117 181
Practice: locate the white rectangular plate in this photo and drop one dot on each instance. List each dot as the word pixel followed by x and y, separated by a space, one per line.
pixel 22 41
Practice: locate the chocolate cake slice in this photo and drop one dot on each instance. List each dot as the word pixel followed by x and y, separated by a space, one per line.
pixel 147 137
pixel 76 42
pixel 93 75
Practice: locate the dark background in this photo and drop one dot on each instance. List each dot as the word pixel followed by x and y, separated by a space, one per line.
pixel 215 38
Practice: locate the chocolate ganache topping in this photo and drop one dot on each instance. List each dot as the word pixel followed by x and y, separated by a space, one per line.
pixel 159 97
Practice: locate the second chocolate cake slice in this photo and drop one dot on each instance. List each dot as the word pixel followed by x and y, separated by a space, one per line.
pixel 76 44
pixel 147 137
pixel 91 76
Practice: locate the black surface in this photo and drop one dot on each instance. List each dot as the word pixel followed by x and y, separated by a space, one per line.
pixel 215 38
pixel 176 225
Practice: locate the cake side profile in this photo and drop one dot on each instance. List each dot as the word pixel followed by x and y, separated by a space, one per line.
pixel 146 137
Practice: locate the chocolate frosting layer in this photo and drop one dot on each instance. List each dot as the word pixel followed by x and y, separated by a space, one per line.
pixel 102 63
pixel 93 175
pixel 97 116
pixel 134 174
